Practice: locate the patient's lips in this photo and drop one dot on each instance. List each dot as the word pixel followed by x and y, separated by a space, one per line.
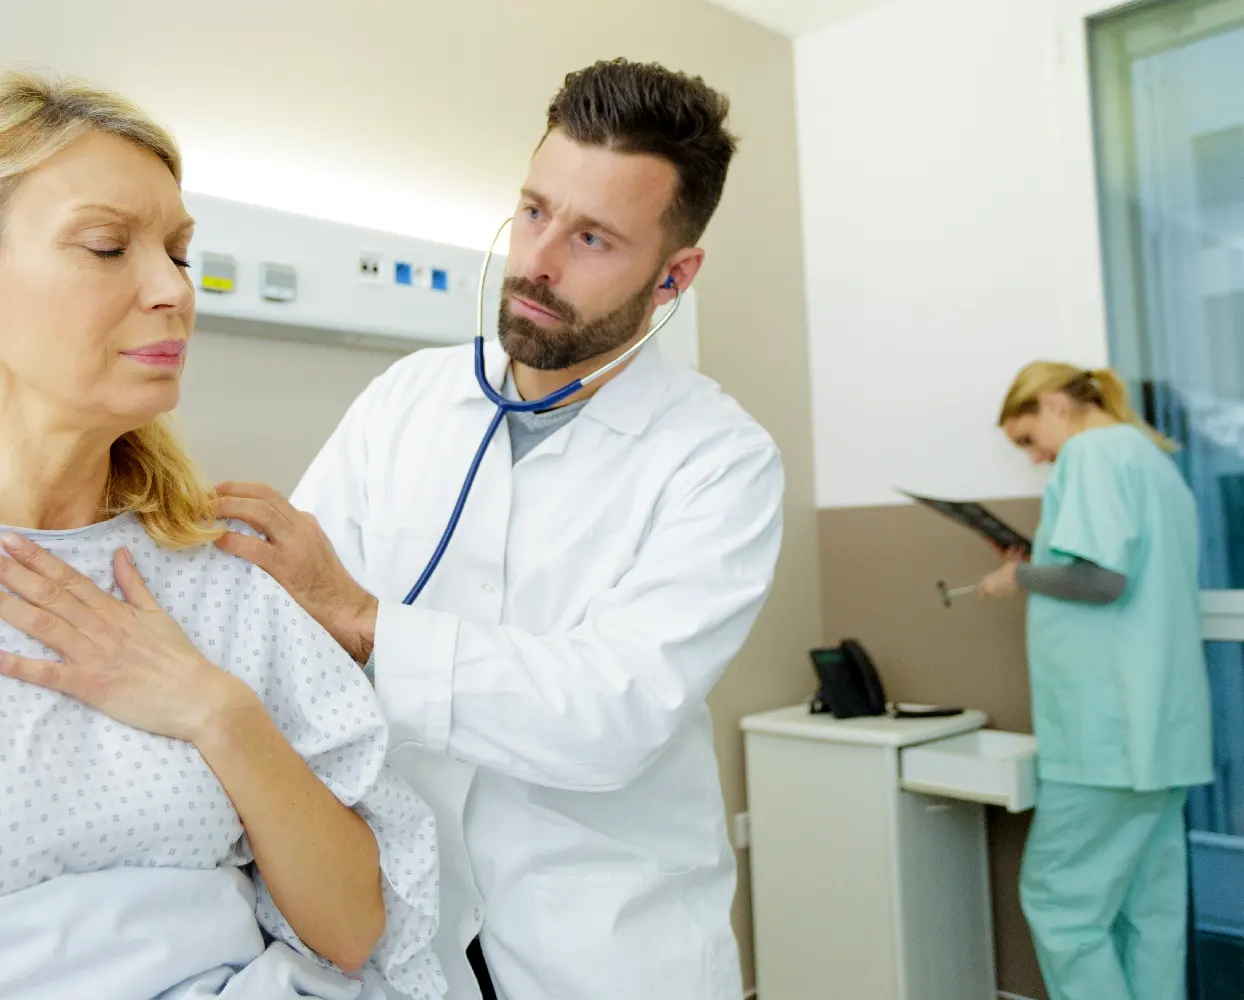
pixel 166 353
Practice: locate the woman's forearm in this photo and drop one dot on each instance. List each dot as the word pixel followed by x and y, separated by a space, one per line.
pixel 1080 581
pixel 318 858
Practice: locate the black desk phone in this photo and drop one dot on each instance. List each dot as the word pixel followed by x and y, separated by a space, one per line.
pixel 849 686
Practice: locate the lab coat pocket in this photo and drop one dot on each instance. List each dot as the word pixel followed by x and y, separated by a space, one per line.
pixel 394 558
pixel 624 936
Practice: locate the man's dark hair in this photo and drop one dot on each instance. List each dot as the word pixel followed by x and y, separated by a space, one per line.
pixel 646 108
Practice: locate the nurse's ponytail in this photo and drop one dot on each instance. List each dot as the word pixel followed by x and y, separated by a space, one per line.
pixel 1098 387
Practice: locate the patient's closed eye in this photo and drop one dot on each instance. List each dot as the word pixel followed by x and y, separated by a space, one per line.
pixel 115 252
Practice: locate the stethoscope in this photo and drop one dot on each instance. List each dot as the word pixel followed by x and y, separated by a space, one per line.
pixel 505 406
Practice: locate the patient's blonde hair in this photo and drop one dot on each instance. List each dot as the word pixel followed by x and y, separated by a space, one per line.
pixel 40 115
pixel 1099 387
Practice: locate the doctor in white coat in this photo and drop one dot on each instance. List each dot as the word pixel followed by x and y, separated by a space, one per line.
pixel 546 692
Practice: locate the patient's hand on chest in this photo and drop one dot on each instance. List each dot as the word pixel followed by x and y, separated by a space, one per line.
pixel 82 792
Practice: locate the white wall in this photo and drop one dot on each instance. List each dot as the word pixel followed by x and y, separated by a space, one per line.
pixel 949 230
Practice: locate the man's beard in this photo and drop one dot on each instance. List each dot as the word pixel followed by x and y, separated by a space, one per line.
pixel 573 341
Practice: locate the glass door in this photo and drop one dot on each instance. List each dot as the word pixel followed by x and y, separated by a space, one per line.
pixel 1168 94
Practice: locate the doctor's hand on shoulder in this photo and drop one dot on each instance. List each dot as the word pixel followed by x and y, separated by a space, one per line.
pixel 297 553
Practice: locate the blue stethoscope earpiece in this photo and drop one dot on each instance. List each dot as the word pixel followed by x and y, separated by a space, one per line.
pixel 505 406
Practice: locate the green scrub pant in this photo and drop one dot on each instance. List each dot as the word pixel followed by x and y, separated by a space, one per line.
pixel 1105 890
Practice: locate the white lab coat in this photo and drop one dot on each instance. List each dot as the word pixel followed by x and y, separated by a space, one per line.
pixel 546 694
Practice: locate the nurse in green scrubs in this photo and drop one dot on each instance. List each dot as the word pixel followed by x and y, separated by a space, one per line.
pixel 1120 692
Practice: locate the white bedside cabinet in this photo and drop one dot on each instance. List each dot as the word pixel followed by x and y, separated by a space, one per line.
pixel 869 865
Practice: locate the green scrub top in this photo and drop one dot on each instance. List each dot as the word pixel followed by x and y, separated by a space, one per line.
pixel 1120 692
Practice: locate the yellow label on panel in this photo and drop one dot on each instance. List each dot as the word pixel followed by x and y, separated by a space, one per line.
pixel 217 284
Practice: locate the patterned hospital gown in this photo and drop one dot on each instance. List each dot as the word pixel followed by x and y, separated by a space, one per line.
pixel 82 792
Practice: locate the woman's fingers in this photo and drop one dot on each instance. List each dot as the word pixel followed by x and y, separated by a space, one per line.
pixel 988 587
pixel 43 625
pixel 46 598
pixel 39 592
pixel 127 658
pixel 47 579
pixel 131 582
pixel 44 673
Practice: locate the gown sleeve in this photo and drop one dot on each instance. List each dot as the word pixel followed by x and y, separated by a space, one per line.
pixel 323 704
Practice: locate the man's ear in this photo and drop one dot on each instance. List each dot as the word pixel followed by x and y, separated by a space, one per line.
pixel 678 274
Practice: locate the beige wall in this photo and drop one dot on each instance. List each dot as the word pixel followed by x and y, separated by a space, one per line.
pixel 881 566
pixel 420 118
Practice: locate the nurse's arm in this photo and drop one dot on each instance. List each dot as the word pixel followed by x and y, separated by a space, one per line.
pixel 590 708
pixel 1080 581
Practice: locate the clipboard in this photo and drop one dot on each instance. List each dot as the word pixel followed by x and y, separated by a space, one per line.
pixel 978 519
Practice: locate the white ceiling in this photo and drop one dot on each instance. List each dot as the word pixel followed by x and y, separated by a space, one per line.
pixel 793 17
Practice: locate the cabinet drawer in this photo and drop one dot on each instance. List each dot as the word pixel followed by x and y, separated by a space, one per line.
pixel 988 766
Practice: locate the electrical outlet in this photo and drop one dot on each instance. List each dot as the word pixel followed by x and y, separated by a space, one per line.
pixel 742 831
pixel 369 269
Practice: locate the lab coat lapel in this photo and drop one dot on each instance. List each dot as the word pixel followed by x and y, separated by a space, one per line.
pixel 477 551
pixel 626 404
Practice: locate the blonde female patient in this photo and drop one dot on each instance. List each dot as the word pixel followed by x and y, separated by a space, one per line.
pixel 194 799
